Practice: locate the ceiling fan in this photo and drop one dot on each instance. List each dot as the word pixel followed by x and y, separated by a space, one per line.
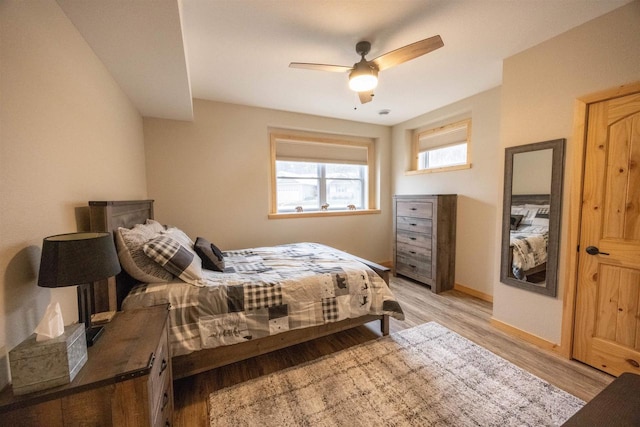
pixel 363 75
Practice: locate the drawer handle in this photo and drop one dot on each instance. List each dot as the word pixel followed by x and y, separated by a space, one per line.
pixel 412 238
pixel 163 366
pixel 412 266
pixel 412 224
pixel 165 400
pixel 412 252
pixel 414 209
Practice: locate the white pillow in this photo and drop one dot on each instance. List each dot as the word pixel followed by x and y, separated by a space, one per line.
pixel 176 234
pixel 155 225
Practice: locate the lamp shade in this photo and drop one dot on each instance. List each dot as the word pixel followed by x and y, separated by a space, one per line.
pixel 77 258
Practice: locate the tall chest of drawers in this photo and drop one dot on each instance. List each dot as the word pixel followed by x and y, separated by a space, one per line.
pixel 424 241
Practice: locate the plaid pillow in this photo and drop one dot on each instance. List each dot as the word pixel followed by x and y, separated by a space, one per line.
pixel 175 258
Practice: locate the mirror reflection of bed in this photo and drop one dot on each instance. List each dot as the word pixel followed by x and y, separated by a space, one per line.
pixel 529 239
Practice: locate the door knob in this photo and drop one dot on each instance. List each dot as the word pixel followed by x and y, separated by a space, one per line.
pixel 592 250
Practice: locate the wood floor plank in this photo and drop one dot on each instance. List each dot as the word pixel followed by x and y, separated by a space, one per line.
pixel 462 313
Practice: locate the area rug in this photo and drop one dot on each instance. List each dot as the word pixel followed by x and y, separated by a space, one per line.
pixel 423 376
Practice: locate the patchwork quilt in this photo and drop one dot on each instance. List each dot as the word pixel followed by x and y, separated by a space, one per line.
pixel 265 291
pixel 529 249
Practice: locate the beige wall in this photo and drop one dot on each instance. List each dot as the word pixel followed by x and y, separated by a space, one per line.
pixel 67 135
pixel 211 177
pixel 539 88
pixel 477 188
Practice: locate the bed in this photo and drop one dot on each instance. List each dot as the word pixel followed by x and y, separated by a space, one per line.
pixel 529 237
pixel 263 299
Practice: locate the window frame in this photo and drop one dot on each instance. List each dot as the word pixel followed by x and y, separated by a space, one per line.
pixel 441 130
pixel 289 137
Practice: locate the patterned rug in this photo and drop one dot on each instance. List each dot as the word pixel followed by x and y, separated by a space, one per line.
pixel 423 376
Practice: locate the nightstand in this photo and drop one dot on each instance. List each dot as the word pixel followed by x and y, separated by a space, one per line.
pixel 126 381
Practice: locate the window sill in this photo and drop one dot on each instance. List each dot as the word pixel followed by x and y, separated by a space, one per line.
pixel 435 170
pixel 322 214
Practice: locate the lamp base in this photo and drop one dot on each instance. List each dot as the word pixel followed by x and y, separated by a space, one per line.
pixel 93 333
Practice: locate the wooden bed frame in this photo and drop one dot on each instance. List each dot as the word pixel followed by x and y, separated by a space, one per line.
pixel 528 199
pixel 109 215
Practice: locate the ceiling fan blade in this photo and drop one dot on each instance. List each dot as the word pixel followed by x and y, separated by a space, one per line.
pixel 408 52
pixel 321 67
pixel 365 96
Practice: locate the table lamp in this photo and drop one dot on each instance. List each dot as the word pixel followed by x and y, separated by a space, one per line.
pixel 79 259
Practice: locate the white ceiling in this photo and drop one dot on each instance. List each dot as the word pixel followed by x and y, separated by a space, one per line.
pixel 164 52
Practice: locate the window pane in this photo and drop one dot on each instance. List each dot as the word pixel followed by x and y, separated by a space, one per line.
pixel 298 192
pixel 310 185
pixel 344 192
pixel 446 156
pixel 334 170
pixel 296 169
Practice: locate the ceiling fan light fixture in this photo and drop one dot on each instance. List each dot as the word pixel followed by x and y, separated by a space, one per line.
pixel 363 77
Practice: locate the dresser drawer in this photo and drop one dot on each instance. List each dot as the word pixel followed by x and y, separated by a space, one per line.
pixel 414 239
pixel 405 250
pixel 164 412
pixel 416 225
pixel 414 209
pixel 159 380
pixel 413 268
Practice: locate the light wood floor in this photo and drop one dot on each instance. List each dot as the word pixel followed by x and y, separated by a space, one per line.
pixel 466 315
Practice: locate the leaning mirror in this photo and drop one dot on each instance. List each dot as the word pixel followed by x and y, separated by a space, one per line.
pixel 531 216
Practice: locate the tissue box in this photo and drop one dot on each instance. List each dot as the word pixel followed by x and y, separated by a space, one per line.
pixel 41 365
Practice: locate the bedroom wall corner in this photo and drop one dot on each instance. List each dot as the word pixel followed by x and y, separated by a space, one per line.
pixel 540 86
pixel 68 134
pixel 477 188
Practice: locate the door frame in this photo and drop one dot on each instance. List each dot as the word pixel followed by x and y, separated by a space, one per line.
pixel 581 110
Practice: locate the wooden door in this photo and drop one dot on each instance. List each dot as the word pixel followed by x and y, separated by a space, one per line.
pixel 607 322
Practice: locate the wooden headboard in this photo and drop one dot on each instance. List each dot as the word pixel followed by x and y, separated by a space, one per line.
pixel 530 199
pixel 107 216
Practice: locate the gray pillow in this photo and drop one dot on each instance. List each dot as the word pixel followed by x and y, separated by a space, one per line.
pixel 515 221
pixel 211 256
pixel 131 254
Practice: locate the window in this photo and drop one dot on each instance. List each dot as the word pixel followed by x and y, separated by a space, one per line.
pixel 312 185
pixel 443 148
pixel 318 173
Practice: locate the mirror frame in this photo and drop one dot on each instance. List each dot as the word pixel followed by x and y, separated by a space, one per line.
pixel 555 209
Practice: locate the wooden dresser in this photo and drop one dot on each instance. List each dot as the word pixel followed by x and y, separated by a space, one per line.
pixel 424 241
pixel 126 381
